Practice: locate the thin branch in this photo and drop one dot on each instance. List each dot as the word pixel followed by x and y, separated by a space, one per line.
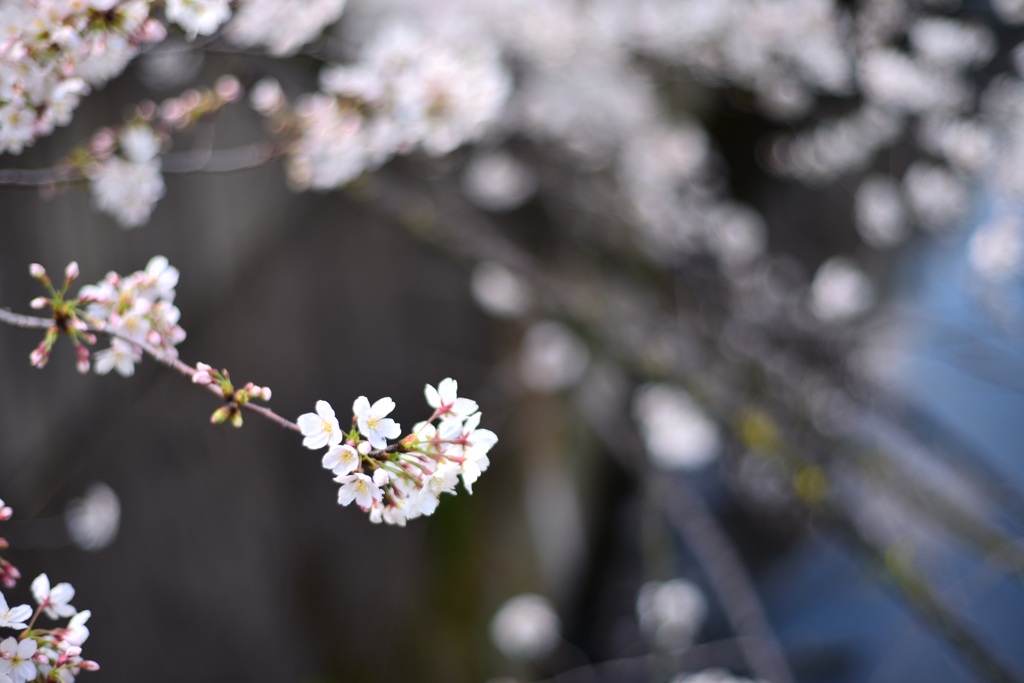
pixel 227 160
pixel 38 177
pixel 38 323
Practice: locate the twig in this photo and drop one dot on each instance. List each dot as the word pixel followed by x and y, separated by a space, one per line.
pixel 227 160
pixel 38 323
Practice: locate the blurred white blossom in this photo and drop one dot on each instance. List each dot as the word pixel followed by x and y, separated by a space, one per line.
pixel 840 291
pixel 671 612
pixel 552 358
pixel 499 291
pixel 526 627
pixel 497 181
pixel 676 432
pixel 996 250
pixel 94 519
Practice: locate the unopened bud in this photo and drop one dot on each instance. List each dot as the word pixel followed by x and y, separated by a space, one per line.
pixel 89 665
pixel 39 356
pixel 219 415
pixel 5 512
pixel 39 302
pixel 37 271
pixel 203 367
pixel 4 545
pixel 265 394
pixel 364 447
pixel 236 419
pixel 71 272
pixel 381 477
pixel 82 364
pixel 202 377
pixel 228 88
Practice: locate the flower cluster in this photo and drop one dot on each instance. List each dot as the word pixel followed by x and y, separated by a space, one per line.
pixel 38 654
pixel 403 480
pixel 138 309
pixel 134 310
pixel 52 51
pixel 127 186
pixel 409 91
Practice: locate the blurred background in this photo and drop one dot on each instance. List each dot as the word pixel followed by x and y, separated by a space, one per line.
pixel 737 284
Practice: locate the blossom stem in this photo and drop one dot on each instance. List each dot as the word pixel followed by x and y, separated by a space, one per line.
pixel 32 622
pixel 34 322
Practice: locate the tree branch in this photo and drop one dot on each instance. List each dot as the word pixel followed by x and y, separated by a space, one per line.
pixel 38 323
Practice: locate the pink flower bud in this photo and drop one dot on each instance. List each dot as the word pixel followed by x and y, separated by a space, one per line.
pixel 202 377
pixel 82 363
pixel 203 367
pixel 89 665
pixel 228 88
pixel 39 302
pixel 71 272
pixel 381 477
pixel 37 271
pixel 265 394
pixel 39 356
pixel 364 447
pixel 153 31
pixel 5 512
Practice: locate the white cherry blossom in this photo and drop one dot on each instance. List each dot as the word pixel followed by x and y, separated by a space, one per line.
pixel 320 428
pixel 360 488
pixel 55 601
pixel 16 659
pixel 341 459
pixel 373 421
pixel 13 617
pixel 445 399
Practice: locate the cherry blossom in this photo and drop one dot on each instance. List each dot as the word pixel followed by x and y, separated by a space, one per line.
pixel 320 428
pixel 373 421
pixel 13 617
pixel 54 601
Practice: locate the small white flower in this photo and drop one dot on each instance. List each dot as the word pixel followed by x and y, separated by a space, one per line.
pixel 13 617
pixel 443 480
pixel 373 423
pixel 120 356
pixel 320 429
pixel 77 631
pixel 360 488
pixel 446 400
pixel 341 459
pixel 16 659
pixel 54 601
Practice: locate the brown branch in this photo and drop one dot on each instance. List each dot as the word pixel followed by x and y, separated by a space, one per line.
pixel 173 362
